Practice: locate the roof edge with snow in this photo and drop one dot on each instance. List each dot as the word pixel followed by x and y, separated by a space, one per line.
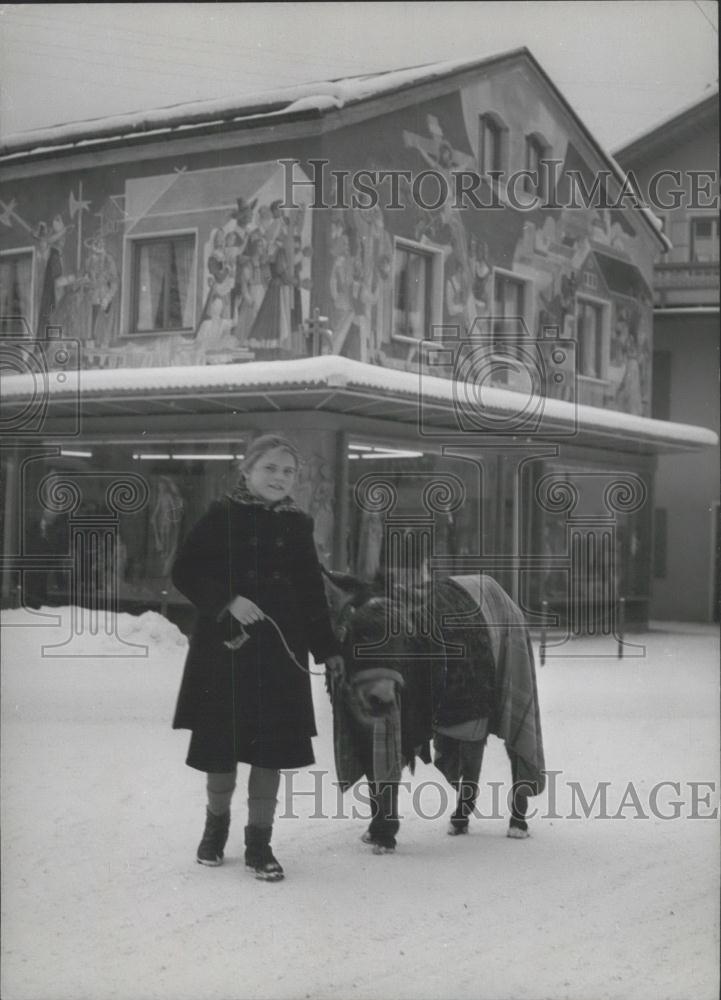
pixel 304 101
pixel 344 374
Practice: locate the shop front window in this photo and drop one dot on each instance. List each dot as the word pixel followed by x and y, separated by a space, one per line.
pixel 586 557
pixel 176 483
pixel 410 482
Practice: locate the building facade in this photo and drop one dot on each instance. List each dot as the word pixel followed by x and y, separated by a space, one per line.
pixel 687 540
pixel 396 271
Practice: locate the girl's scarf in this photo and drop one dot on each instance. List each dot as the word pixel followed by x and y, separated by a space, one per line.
pixel 241 494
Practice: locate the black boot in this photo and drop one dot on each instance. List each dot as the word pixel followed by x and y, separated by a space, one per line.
pixel 258 855
pixel 215 835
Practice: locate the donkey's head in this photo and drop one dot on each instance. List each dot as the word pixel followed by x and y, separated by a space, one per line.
pixel 376 630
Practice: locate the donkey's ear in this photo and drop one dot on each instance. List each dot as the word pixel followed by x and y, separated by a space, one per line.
pixel 340 586
pixel 343 581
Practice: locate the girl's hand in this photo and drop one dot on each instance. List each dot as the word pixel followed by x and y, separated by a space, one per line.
pixel 245 611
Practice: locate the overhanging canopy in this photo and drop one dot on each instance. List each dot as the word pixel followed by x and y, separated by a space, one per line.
pixel 436 406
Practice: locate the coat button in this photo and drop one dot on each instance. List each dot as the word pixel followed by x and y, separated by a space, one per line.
pixel 251 574
pixel 279 542
pixel 276 576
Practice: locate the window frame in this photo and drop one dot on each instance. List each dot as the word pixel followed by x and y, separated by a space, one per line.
pixel 539 144
pixel 28 322
pixel 489 121
pixel 692 238
pixel 603 349
pixel 132 259
pixel 434 289
pixel 527 287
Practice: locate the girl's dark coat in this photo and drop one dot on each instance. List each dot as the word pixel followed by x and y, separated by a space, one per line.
pixel 233 700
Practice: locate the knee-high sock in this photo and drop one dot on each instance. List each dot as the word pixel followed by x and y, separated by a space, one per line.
pixel 262 792
pixel 221 785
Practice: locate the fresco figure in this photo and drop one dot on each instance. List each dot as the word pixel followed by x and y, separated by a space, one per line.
pixel 221 277
pixel 102 274
pixel 341 293
pixel 628 395
pixel 241 224
pixel 480 274
pixel 271 327
pixel 165 521
pixel 53 285
pixel 215 333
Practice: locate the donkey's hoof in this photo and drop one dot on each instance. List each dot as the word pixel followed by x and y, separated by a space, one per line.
pixel 378 847
pixel 515 833
pixel 456 829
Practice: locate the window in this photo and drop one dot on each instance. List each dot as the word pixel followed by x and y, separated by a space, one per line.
pixel 509 301
pixel 490 144
pixel 412 285
pixel 162 284
pixel 589 334
pixel 704 241
pixel 537 152
pixel 16 271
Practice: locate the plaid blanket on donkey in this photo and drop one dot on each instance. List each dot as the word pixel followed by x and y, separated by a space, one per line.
pixel 516 717
pixel 386 749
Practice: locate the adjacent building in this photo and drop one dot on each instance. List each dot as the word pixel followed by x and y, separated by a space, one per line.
pixel 682 153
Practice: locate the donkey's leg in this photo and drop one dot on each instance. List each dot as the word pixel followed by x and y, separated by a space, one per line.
pixel 467 788
pixel 384 823
pixel 518 827
pixel 447 758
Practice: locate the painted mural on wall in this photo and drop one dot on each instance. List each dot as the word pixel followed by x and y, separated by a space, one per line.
pixel 60 274
pixel 215 270
pixel 241 264
pixel 573 273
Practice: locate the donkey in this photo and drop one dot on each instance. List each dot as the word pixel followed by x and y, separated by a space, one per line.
pixel 449 665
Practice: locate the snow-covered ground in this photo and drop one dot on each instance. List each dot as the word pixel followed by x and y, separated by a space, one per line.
pixel 102 897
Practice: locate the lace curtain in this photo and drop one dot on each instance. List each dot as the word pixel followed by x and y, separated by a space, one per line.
pixel 15 282
pixel 164 284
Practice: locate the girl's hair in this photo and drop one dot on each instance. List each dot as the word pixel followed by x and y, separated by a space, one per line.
pixel 264 443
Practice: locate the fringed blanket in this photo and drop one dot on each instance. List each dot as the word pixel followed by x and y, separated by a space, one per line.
pixel 388 759
pixel 516 717
pixel 463 679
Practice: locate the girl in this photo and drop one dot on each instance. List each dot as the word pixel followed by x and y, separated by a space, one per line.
pixel 250 559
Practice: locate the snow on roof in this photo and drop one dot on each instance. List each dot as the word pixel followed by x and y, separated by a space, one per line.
pixel 704 103
pixel 334 372
pixel 301 99
pixel 318 96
